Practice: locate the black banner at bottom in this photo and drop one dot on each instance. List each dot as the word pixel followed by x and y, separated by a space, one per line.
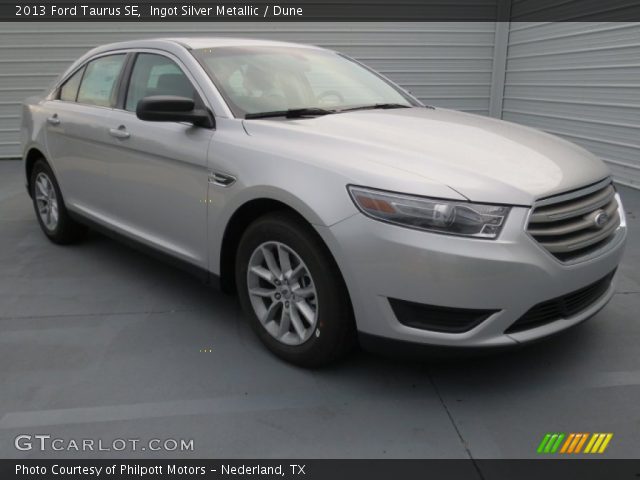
pixel 543 468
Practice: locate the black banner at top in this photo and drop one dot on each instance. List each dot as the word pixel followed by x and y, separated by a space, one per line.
pixel 317 10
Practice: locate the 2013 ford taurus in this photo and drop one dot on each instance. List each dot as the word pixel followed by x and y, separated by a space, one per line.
pixel 337 205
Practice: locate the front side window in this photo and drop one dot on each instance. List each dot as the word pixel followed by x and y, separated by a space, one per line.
pixel 98 85
pixel 263 79
pixel 156 75
pixel 69 91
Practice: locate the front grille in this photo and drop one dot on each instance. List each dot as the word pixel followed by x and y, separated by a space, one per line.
pixel 565 306
pixel 569 228
pixel 436 318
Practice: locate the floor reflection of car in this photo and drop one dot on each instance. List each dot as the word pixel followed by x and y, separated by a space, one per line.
pixel 337 205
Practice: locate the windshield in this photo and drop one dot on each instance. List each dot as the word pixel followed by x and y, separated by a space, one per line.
pixel 256 80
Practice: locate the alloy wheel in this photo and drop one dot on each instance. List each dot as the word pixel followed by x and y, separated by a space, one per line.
pixel 282 293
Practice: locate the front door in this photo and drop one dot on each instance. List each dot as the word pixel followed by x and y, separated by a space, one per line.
pixel 159 169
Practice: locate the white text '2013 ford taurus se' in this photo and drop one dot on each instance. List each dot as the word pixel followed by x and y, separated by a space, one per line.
pixel 335 204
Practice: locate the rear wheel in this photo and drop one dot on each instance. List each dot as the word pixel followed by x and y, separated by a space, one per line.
pixel 292 291
pixel 48 203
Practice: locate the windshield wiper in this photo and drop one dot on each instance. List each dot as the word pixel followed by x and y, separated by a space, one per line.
pixel 381 106
pixel 290 113
pixel 313 111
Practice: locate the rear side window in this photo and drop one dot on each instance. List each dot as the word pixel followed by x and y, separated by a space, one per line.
pixel 157 75
pixel 99 81
pixel 69 91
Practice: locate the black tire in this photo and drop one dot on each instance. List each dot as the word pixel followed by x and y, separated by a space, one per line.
pixel 66 230
pixel 335 333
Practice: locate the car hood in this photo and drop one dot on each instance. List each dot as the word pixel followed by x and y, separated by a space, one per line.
pixel 483 159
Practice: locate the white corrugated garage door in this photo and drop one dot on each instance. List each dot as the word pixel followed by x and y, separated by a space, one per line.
pixel 582 82
pixel 441 63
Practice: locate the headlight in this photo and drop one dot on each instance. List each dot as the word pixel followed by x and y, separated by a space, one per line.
pixel 432 214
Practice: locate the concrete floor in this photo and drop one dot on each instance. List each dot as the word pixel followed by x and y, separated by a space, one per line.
pixel 99 341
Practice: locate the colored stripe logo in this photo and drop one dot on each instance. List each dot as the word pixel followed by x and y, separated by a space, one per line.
pixel 573 443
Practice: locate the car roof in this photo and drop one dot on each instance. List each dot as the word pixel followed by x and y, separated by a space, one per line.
pixel 194 43
pixel 212 42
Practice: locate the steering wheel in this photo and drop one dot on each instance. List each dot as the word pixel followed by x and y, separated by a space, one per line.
pixel 274 100
pixel 322 98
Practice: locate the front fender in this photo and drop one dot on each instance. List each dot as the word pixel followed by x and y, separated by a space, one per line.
pixel 219 219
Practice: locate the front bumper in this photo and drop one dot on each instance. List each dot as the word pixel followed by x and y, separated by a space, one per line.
pixel 510 275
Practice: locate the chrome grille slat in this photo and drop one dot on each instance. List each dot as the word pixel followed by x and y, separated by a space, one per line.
pixel 568 229
pixel 561 230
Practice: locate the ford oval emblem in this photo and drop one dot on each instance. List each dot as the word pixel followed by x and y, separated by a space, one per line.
pixel 601 218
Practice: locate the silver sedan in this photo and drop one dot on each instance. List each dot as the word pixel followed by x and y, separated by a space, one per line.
pixel 337 205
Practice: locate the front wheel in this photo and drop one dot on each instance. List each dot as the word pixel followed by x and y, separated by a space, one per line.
pixel 292 290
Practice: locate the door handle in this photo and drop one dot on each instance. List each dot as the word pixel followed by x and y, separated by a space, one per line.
pixel 120 132
pixel 53 119
pixel 221 179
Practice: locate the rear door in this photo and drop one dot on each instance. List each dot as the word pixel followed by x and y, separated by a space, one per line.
pixel 77 138
pixel 159 169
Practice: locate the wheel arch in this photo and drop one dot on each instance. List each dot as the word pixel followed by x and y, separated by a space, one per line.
pixel 241 218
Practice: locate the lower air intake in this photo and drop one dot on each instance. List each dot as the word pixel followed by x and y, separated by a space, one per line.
pixel 436 318
pixel 562 307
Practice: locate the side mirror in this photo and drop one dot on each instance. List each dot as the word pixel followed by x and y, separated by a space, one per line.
pixel 169 108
